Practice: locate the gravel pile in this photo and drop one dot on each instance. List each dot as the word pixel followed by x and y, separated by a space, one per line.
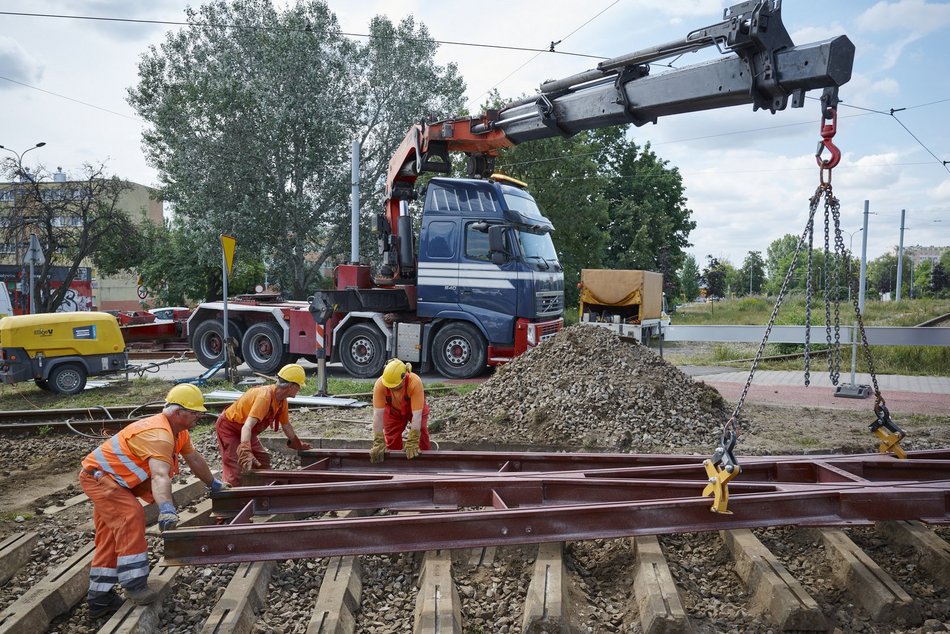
pixel 586 389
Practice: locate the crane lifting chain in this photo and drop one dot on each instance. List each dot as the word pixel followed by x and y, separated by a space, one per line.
pixel 722 467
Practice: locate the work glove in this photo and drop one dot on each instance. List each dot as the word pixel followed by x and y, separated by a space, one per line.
pixel 412 444
pixel 299 445
pixel 167 516
pixel 219 485
pixel 377 453
pixel 245 457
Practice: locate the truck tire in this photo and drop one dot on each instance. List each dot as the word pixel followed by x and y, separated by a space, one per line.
pixel 363 351
pixel 459 351
pixel 263 348
pixel 207 341
pixel 68 378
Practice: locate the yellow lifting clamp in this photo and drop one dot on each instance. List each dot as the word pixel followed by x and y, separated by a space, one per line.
pixel 889 433
pixel 722 468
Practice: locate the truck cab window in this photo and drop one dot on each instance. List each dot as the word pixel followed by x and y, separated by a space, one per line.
pixel 476 243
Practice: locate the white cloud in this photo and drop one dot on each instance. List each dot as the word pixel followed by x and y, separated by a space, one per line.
pixel 17 64
pixel 914 18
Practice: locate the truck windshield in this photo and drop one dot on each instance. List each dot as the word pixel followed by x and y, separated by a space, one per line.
pixel 521 202
pixel 539 249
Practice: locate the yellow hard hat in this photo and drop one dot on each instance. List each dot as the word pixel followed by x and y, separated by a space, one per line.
pixel 293 373
pixel 188 396
pixel 394 372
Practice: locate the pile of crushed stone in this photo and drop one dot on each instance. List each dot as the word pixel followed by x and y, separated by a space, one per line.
pixel 588 389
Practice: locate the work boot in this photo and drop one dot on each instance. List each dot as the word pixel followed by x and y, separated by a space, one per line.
pixel 142 595
pixel 105 605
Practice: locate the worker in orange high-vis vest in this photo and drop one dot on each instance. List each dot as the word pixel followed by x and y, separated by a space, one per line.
pixel 399 400
pixel 138 462
pixel 257 409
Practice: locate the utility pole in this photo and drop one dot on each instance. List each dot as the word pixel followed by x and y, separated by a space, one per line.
pixel 853 390
pixel 900 256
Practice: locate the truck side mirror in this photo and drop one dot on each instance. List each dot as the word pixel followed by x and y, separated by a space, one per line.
pixel 496 244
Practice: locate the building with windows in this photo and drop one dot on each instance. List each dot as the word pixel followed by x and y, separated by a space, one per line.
pixel 90 291
pixel 919 254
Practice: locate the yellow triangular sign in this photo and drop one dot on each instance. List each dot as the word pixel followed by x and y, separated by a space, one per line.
pixel 227 243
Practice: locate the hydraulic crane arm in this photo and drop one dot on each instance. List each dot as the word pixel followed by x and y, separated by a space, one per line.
pixel 762 67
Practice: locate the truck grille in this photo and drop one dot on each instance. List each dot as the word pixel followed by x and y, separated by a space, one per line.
pixel 549 303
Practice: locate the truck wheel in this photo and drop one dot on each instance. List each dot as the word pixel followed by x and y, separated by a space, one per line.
pixel 363 351
pixel 263 348
pixel 68 378
pixel 208 341
pixel 459 351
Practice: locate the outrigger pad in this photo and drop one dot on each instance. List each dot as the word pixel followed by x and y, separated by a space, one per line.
pixel 853 391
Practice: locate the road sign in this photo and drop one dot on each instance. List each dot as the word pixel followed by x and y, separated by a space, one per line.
pixel 34 253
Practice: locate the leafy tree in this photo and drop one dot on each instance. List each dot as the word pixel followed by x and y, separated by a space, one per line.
pixel 714 276
pixel 939 279
pixel 73 222
pixel 648 222
pixel 751 277
pixel 689 278
pixel 882 274
pixel 922 275
pixel 251 126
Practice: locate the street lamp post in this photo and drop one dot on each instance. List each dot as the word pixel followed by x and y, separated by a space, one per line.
pixel 850 251
pixel 18 228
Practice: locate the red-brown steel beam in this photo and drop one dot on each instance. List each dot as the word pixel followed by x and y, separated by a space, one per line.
pixel 428 531
pixel 572 500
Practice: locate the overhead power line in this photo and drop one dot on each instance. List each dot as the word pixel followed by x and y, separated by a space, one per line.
pixel 253 27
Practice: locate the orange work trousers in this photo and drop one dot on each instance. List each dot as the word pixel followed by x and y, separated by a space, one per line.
pixel 121 550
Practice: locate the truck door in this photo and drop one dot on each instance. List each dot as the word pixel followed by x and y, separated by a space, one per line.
pixel 438 273
pixel 488 291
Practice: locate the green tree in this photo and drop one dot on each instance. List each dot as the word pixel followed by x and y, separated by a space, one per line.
pixel 250 127
pixel 922 274
pixel 397 83
pixel 751 277
pixel 689 278
pixel 73 221
pixel 648 223
pixel 715 275
pixel 882 274
pixel 939 279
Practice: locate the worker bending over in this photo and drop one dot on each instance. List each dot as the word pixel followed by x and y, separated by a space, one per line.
pixel 399 400
pixel 139 461
pixel 239 426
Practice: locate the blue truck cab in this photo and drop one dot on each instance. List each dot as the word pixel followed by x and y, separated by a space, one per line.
pixel 486 258
pixel 487 286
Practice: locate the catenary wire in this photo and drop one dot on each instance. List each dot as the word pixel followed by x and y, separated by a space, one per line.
pixel 538 52
pixel 289 30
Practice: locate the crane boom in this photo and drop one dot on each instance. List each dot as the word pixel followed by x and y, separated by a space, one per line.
pixel 762 67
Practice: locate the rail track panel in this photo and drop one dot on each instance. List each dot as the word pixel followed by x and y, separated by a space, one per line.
pixel 688 578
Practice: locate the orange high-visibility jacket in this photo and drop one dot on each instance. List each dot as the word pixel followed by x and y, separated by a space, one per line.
pixel 116 457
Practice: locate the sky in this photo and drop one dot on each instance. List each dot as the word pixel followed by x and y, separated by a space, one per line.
pixel 748 175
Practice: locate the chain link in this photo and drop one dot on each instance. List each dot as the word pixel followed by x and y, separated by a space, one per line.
pixel 732 425
pixel 834 352
pixel 810 230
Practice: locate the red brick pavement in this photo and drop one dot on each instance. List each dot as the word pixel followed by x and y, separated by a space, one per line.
pixel 823 397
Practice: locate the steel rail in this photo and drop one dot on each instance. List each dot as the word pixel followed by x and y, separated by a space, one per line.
pixel 431 531
pixel 562 504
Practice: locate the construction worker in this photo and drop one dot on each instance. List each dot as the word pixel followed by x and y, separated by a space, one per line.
pixel 259 408
pixel 399 400
pixel 139 461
